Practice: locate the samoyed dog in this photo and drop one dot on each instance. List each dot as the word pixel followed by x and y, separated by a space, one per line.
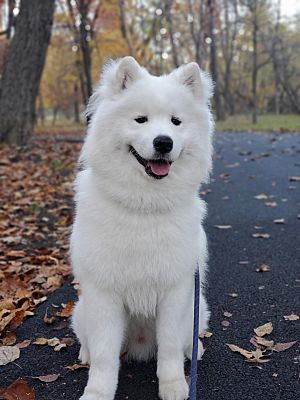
pixel 138 237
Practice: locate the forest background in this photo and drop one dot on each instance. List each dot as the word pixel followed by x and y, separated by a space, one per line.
pixel 250 47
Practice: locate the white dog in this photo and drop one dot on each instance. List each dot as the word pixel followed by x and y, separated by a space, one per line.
pixel 138 236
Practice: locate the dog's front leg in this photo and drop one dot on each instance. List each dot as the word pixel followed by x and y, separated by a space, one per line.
pixel 104 317
pixel 171 326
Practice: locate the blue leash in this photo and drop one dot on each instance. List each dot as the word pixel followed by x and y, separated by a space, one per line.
pixel 194 364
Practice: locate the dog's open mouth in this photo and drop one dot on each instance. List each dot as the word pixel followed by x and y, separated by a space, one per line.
pixel 157 168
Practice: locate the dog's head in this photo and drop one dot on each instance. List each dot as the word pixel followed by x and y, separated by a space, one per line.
pixel 149 137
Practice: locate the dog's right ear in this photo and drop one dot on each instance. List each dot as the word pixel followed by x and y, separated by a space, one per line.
pixel 127 72
pixel 116 77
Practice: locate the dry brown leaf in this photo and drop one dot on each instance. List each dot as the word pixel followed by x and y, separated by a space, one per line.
pixel 264 342
pixel 263 268
pixel 261 235
pixel 292 317
pixel 270 204
pixel 48 378
pixel 59 346
pixel 41 341
pixel 225 324
pixel 257 357
pixel 261 196
pixel 205 334
pixel 245 353
pixel 279 221
pixel 24 344
pixel 48 320
pixel 227 314
pixel 9 339
pixel 67 311
pixel 8 354
pixel 294 178
pixel 73 367
pixel 223 226
pixel 283 346
pixel 263 330
pixel 19 390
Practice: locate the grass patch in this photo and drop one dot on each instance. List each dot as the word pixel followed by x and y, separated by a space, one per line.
pixel 269 122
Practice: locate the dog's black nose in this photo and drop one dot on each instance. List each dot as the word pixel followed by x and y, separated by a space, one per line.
pixel 163 144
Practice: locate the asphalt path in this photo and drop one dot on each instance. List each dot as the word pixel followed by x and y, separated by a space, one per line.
pixel 245 165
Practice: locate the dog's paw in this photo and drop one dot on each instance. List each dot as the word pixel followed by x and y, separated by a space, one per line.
pixel 93 396
pixel 84 355
pixel 174 390
pixel 201 350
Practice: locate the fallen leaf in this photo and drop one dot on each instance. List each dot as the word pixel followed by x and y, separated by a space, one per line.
pixel 73 367
pixel 227 314
pixel 61 325
pixel 67 311
pixel 48 378
pixel 270 204
pixel 225 323
pixel 264 342
pixel 59 346
pixel 56 343
pixel 294 178
pixel 263 268
pixel 48 320
pixel 24 344
pixel 53 342
pixel 245 353
pixel 9 339
pixel 283 346
pixel 15 254
pixel 292 317
pixel 8 354
pixel 257 357
pixel 261 196
pixel 223 226
pixel 19 390
pixel 279 221
pixel 261 235
pixel 41 341
pixel 263 330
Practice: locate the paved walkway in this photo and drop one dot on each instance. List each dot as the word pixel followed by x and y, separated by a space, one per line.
pixel 246 165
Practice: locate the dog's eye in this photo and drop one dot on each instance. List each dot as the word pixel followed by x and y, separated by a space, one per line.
pixel 175 121
pixel 141 120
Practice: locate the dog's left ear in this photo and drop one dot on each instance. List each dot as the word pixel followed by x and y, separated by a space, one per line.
pixel 198 81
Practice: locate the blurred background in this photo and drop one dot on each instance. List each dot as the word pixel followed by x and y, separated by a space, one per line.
pixel 51 54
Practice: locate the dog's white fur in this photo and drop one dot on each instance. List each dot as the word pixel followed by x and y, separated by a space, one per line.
pixel 136 240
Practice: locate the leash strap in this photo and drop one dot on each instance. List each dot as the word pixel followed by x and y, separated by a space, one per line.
pixel 194 364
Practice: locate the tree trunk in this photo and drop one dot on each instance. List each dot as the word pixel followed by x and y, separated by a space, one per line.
pixel 254 63
pixel 23 70
pixel 76 105
pixel 85 47
pixel 213 59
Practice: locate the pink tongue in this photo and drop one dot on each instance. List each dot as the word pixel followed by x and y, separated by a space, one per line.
pixel 159 168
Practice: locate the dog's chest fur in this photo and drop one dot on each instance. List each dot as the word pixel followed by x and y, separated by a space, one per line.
pixel 138 256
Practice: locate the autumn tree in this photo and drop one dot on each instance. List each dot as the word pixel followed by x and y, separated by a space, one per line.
pixel 23 69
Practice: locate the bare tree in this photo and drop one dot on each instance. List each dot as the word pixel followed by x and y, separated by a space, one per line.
pixel 23 69
pixel 228 35
pixel 213 58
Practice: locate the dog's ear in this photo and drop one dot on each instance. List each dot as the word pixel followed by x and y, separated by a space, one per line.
pixel 198 81
pixel 127 72
pixel 116 76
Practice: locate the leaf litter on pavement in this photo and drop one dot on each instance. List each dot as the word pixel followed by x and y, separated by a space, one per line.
pixel 263 347
pixel 35 216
